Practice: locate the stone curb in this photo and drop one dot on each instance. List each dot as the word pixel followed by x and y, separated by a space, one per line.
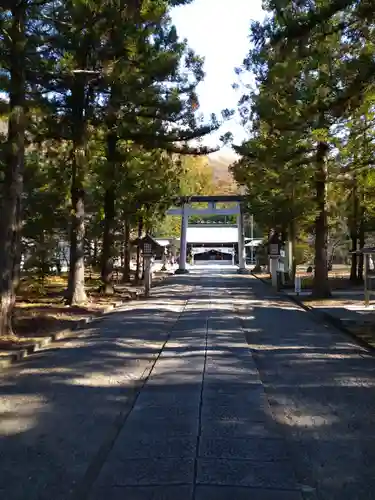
pixel 19 355
pixel 324 317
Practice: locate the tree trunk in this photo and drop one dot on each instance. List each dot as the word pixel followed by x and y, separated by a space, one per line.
pixel 361 238
pixel 11 215
pixel 95 254
pixel 121 256
pixel 138 268
pixel 43 260
pixel 76 284
pixel 321 287
pixel 126 270
pixel 354 233
pixel 108 240
pixel 292 249
pixel 110 195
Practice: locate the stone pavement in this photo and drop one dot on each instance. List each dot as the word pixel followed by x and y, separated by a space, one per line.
pixel 59 407
pixel 247 398
pixel 321 388
pixel 201 427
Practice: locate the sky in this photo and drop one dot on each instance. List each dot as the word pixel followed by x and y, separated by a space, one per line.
pixel 218 30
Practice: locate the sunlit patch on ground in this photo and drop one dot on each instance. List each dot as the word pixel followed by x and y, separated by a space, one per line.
pixel 16 418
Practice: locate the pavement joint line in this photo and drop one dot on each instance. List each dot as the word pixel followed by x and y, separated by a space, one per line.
pixel 149 486
pixel 250 460
pixel 83 490
pixel 250 487
pixel 196 457
pixel 213 485
pixel 325 319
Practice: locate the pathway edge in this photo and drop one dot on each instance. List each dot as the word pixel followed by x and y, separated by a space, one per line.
pixel 16 356
pixel 323 317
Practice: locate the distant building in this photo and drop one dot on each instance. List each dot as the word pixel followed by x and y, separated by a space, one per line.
pixel 213 241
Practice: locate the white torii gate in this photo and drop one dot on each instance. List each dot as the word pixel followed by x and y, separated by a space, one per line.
pixel 185 211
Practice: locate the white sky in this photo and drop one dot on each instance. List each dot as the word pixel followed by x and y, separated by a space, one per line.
pixel 218 30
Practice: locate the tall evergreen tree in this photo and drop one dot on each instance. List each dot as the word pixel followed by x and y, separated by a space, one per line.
pixel 294 99
pixel 151 99
pixel 18 46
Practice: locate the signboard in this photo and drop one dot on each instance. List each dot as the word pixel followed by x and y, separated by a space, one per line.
pixel 274 249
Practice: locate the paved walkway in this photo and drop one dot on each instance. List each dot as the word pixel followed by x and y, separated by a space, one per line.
pixel 291 417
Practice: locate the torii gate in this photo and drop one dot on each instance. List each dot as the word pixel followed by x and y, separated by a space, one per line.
pixel 185 210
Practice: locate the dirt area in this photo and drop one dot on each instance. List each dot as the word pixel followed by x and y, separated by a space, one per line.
pixel 41 311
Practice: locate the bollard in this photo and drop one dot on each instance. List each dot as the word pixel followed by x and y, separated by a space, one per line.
pixel 147 275
pixel 279 280
pixel 274 262
pixel 297 284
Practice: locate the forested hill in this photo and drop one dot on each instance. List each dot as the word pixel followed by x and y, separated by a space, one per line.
pixel 222 177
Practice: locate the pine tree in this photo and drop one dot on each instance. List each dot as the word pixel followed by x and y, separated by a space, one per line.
pixel 298 86
pixel 13 26
pixel 151 101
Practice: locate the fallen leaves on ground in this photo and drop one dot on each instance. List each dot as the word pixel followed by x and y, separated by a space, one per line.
pixel 41 311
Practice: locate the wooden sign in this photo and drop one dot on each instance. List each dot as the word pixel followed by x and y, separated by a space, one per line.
pixel 147 249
